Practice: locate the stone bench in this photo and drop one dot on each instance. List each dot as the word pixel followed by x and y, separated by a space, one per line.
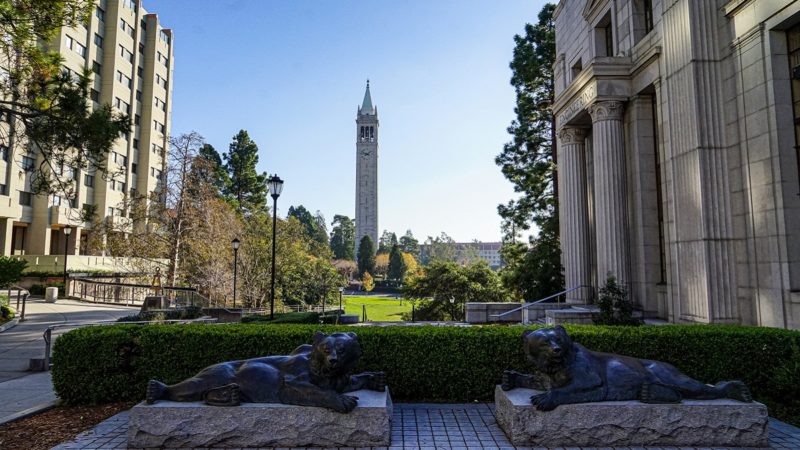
pixel 692 423
pixel 193 424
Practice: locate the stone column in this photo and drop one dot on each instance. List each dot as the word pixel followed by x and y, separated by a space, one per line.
pixel 610 192
pixel 573 212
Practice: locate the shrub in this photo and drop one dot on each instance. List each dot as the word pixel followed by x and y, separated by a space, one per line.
pixel 11 270
pixel 615 306
pixel 293 317
pixel 187 313
pixel 425 363
pixel 39 289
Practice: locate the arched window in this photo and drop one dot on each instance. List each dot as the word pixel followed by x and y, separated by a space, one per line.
pixel 371 133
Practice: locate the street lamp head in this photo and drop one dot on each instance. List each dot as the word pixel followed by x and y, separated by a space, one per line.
pixel 67 230
pixel 235 243
pixel 275 186
pixel 452 300
pixel 341 289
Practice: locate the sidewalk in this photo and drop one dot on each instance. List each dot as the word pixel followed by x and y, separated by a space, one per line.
pixel 22 391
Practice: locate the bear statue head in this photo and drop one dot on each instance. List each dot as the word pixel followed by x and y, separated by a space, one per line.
pixel 334 354
pixel 549 349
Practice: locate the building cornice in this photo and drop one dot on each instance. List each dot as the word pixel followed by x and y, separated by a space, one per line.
pixel 559 8
pixel 593 8
pixel 734 6
pixel 606 78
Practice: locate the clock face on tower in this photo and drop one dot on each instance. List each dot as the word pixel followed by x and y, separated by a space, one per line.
pixel 365 152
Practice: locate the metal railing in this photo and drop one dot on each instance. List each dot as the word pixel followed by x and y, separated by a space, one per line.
pixel 44 363
pixel 131 294
pixel 557 296
pixel 22 294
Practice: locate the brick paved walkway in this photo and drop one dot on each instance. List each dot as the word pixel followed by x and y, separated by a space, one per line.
pixel 418 426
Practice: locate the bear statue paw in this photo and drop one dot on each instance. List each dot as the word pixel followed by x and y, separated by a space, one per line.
pixel 656 393
pixel 544 402
pixel 155 391
pixel 509 380
pixel 345 403
pixel 228 395
pixel 736 390
pixel 377 382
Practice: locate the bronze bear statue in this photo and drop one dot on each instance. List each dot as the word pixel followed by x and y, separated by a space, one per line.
pixel 312 375
pixel 569 373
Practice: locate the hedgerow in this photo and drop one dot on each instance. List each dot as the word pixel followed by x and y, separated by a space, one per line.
pixel 422 363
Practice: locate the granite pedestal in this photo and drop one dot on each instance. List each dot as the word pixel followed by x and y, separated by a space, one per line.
pixel 692 423
pixel 193 424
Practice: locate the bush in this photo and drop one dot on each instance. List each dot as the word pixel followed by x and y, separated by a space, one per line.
pixel 187 313
pixel 615 306
pixel 11 270
pixel 423 364
pixel 293 317
pixel 39 289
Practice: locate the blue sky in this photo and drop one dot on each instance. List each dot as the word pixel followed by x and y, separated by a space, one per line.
pixel 292 73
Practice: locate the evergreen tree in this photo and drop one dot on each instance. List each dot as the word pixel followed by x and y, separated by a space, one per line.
pixel 366 255
pixel 529 162
pixel 315 227
pixel 397 265
pixel 343 237
pixel 247 188
pixel 386 241
pixel 213 170
pixel 409 244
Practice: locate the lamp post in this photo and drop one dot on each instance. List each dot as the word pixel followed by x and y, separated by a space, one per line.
pixel 67 232
pixel 235 243
pixel 341 291
pixel 275 187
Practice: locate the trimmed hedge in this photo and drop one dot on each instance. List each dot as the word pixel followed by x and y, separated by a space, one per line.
pixel 309 317
pixel 425 363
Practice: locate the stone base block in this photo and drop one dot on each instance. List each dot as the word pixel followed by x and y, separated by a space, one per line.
pixel 692 423
pixel 182 425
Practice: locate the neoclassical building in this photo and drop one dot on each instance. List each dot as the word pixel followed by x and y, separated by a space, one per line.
pixel 678 136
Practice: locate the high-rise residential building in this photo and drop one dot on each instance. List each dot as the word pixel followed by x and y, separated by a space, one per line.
pixel 367 170
pixel 678 128
pixel 130 56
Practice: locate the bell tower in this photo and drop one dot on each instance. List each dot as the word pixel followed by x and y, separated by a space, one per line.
pixel 367 170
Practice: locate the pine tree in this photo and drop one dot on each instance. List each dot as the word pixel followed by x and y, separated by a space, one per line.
pixel 397 265
pixel 409 244
pixel 213 169
pixel 366 255
pixel 247 188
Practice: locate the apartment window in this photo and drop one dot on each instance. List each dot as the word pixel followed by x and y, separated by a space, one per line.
pixel 110 212
pixel 793 40
pixel 88 180
pixel 144 24
pixel 126 27
pixel 162 35
pixel 160 104
pixel 56 200
pixel 133 168
pixel 69 42
pixel 3 189
pixel 28 163
pixel 98 40
pixel 139 96
pixel 3 152
pixel 100 13
pixel 80 49
pixel 137 119
pixel 95 96
pixel 161 81
pixel 159 126
pixel 25 198
pixel 97 67
pixel 139 71
pixel 124 79
pixel 157 149
pixel 162 59
pixel 136 144
pixel 141 47
pixel 130 4
pixel 123 52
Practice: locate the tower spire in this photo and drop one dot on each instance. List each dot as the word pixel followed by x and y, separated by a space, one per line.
pixel 366 105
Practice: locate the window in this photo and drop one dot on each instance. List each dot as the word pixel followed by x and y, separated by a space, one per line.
pixel 136 120
pixel 69 42
pixel 133 168
pixel 793 40
pixel 162 59
pixel 124 79
pixel 163 36
pixel 98 40
pixel 100 13
pixel 95 96
pixel 97 67
pixel 56 200
pixel 161 81
pixel 28 163
pixel 126 27
pixel 88 180
pixel 144 24
pixel 25 198
pixel 159 126
pixel 160 104
pixel 80 49
pixel 141 47
pixel 604 37
pixel 157 149
pixel 110 212
pixel 577 68
pixel 123 52
pixel 648 15
pixel 3 152
pixel 136 144
pixel 139 96
pixel 130 4
pixel 139 71
pixel 3 189
pixel 609 40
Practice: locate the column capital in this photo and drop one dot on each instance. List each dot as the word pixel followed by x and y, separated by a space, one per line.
pixel 606 110
pixel 572 135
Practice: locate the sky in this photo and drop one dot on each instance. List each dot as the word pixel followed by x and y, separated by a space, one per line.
pixel 292 73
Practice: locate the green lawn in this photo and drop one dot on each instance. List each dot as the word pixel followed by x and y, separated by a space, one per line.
pixel 379 309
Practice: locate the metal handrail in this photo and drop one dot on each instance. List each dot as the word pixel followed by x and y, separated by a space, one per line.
pixel 528 305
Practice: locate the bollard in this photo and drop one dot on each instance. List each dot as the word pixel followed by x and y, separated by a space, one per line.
pixel 363 313
pixel 24 299
pixel 413 313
